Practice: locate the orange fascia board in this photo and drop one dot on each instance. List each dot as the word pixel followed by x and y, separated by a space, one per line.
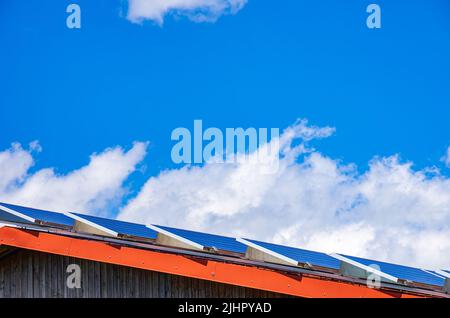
pixel 189 266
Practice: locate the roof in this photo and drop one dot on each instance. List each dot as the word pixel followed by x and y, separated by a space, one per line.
pixel 239 261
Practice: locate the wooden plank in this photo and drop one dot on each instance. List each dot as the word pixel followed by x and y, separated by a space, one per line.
pixel 104 280
pixel 2 278
pixel 30 269
pixel 7 277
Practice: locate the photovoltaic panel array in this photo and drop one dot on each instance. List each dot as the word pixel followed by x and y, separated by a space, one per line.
pixel 403 272
pixel 121 227
pixel 211 241
pixel 300 255
pixel 40 216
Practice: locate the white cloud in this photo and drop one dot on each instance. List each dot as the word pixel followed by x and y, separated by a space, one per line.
pixel 390 212
pixel 14 164
pixel 195 10
pixel 93 188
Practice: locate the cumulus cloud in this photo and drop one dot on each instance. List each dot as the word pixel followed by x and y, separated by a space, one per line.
pixel 14 164
pixel 93 188
pixel 390 212
pixel 195 10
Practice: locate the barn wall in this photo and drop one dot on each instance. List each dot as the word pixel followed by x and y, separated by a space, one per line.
pixel 26 273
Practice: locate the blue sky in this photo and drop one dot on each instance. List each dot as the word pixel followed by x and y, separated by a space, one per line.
pixel 115 81
pixel 112 82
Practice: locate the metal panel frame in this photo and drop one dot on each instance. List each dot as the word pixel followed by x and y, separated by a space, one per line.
pixel 368 269
pixel 7 224
pixel 268 252
pixel 92 224
pixel 446 276
pixel 443 273
pixel 18 214
pixel 176 237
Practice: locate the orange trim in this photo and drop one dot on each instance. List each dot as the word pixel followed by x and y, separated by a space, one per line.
pixel 235 274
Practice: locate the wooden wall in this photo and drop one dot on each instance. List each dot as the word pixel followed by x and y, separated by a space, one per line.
pixel 26 273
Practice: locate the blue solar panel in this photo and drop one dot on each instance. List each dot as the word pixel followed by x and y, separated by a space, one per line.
pixel 223 243
pixel 121 227
pixel 40 215
pixel 442 274
pixel 403 272
pixel 5 216
pixel 300 255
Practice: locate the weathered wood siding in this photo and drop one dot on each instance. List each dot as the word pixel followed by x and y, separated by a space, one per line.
pixel 26 273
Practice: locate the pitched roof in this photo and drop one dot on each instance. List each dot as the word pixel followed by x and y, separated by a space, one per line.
pixel 286 269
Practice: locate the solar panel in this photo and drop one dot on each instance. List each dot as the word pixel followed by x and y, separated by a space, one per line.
pixel 443 273
pixel 300 255
pixel 5 216
pixel 403 272
pixel 31 215
pixel 120 227
pixel 211 241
